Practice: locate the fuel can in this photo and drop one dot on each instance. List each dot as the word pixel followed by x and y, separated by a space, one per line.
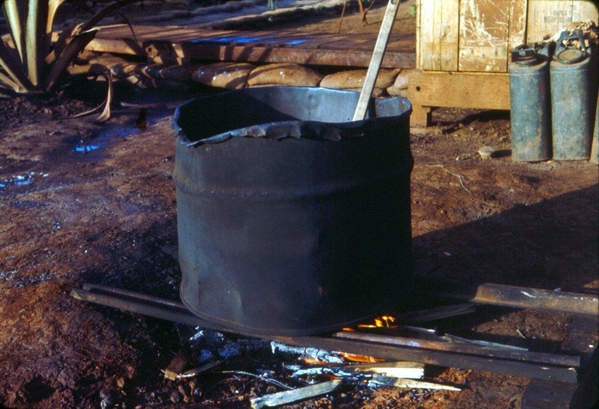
pixel 573 96
pixel 595 145
pixel 530 105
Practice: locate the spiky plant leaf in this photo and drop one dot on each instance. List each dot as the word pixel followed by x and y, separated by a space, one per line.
pixel 14 11
pixel 8 83
pixel 52 7
pixel 71 51
pixel 105 115
pixel 35 40
pixel 105 11
pixel 13 68
pixel 64 38
pixel 100 70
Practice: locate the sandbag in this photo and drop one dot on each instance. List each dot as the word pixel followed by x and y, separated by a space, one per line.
pixel 224 75
pixel 284 74
pixel 354 79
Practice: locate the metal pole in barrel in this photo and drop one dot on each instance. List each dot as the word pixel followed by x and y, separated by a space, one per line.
pixel 376 59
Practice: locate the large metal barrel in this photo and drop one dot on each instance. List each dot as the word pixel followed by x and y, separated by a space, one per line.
pixel 530 106
pixel 292 218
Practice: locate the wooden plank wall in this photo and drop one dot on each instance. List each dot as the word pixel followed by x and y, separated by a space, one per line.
pixel 489 29
pixel 478 35
pixel 437 34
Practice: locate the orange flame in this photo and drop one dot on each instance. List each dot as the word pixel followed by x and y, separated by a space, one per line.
pixel 361 358
pixel 385 321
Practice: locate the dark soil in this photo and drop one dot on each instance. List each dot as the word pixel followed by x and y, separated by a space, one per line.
pixel 87 202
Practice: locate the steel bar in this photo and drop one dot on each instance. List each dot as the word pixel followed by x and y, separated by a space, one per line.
pixel 98 288
pixel 155 308
pixel 432 314
pixel 439 358
pixel 511 296
pixel 491 352
pixel 376 60
pixel 158 308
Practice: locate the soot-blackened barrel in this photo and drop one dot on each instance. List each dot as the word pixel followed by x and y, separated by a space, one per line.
pixel 292 218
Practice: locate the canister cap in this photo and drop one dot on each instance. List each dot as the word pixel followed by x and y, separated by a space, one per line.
pixel 527 60
pixel 525 55
pixel 570 56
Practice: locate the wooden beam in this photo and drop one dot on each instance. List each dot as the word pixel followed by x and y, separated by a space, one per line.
pixel 456 90
pixel 262 47
pixel 459 89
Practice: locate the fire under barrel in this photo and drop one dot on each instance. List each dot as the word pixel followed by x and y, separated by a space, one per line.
pixel 292 218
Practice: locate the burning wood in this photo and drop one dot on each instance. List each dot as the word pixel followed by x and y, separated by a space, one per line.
pixel 410 383
pixel 314 354
pixel 197 371
pixel 410 370
pixel 386 321
pixel 177 364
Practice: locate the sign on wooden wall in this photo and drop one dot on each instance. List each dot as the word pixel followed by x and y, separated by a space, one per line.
pixel 547 17
pixel 478 35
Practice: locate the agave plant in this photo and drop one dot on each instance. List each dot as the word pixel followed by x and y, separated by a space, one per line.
pixel 30 62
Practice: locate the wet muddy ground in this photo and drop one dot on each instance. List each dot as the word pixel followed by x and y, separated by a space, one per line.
pixel 88 202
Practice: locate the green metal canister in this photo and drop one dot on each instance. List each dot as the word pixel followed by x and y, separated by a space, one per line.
pixel 595 145
pixel 572 100
pixel 530 105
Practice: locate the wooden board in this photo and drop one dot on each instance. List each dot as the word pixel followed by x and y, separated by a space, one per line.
pixel 437 28
pixel 488 30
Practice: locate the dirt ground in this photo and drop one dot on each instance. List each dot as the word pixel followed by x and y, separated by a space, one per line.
pixel 87 202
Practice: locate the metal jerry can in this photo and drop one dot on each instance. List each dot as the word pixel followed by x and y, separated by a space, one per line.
pixel 530 104
pixel 595 145
pixel 573 74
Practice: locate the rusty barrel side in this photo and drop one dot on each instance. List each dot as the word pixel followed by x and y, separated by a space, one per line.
pixel 292 219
